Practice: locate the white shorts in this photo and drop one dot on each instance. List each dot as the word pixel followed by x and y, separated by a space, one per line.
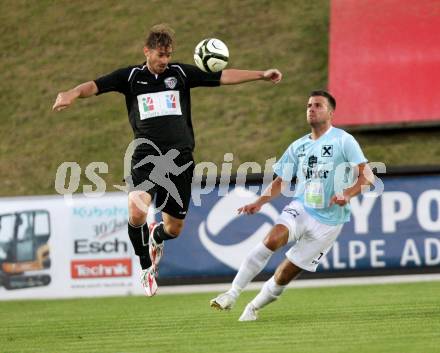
pixel 312 239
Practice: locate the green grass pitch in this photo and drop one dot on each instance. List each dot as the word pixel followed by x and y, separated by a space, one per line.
pixel 381 318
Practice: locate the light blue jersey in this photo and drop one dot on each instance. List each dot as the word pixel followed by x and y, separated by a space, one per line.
pixel 323 169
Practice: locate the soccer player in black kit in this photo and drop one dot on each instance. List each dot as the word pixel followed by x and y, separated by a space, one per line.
pixel 157 96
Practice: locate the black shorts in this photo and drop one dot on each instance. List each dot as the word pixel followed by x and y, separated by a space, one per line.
pixel 168 184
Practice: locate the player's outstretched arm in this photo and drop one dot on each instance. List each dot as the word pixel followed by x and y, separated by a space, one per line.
pixel 65 99
pixel 271 192
pixel 234 76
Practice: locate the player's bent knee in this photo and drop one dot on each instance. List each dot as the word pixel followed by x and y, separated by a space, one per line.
pixel 135 212
pixel 277 237
pixel 138 207
pixel 137 219
pixel 139 201
pixel 174 229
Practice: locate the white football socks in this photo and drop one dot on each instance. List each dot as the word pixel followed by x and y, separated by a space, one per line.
pixel 251 266
pixel 269 293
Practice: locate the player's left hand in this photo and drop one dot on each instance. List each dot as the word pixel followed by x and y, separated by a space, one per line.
pixel 340 200
pixel 273 75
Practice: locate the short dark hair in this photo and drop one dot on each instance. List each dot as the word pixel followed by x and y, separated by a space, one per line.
pixel 160 35
pixel 330 99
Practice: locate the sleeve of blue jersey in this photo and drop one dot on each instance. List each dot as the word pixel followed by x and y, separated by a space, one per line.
pixel 287 165
pixel 352 150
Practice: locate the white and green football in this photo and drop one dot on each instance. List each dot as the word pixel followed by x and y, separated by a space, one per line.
pixel 211 55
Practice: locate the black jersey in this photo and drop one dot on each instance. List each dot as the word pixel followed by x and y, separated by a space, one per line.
pixel 159 106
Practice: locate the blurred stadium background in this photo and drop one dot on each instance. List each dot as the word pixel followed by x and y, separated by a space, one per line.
pixel 380 59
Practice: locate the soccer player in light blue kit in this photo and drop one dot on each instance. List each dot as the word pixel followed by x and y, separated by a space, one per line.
pixel 330 169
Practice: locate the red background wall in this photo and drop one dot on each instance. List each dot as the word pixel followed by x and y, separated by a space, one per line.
pixel 384 65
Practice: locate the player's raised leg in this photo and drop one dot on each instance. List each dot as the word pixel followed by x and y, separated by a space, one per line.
pixel 170 228
pixel 251 266
pixel 138 204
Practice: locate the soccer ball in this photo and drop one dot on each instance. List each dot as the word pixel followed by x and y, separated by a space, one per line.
pixel 211 55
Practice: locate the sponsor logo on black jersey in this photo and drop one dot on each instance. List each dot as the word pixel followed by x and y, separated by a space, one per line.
pixel 170 82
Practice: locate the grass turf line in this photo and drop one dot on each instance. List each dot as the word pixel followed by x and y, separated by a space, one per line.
pixel 381 318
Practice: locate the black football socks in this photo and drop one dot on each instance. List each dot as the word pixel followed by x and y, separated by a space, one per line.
pixel 139 239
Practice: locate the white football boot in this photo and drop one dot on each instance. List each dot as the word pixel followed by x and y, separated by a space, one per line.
pixel 148 281
pixel 224 301
pixel 249 313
